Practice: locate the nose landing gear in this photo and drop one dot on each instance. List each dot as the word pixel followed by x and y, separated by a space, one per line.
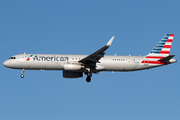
pixel 22 75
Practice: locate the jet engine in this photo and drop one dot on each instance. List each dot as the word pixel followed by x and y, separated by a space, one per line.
pixel 72 67
pixel 70 74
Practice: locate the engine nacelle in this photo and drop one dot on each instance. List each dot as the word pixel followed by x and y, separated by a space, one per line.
pixel 72 67
pixel 70 74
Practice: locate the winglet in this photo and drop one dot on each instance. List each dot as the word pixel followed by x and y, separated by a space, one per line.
pixel 96 56
pixel 110 41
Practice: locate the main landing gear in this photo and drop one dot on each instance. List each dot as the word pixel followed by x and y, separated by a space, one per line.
pixel 22 75
pixel 88 79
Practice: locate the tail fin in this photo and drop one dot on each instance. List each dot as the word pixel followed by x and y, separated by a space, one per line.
pixel 160 51
pixel 163 47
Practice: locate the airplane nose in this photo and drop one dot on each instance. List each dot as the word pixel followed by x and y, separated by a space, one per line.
pixel 5 63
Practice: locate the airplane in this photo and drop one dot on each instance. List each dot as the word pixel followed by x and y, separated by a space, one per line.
pixel 74 66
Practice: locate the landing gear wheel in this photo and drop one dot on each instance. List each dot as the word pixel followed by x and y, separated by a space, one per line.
pixel 22 76
pixel 88 79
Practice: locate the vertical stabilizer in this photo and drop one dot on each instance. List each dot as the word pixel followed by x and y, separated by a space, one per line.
pixel 163 47
pixel 161 50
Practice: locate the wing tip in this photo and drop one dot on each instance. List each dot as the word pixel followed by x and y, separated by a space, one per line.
pixel 110 41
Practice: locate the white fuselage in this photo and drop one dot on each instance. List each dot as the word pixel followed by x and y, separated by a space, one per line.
pixel 74 66
pixel 58 62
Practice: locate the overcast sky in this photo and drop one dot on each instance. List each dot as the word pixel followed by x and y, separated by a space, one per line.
pixel 82 27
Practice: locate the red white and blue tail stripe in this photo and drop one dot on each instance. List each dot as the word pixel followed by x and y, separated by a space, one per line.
pixel 161 50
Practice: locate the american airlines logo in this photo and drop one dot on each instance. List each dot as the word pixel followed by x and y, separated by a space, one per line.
pixel 29 57
pixel 50 58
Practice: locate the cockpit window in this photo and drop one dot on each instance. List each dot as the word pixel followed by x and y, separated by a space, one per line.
pixel 12 58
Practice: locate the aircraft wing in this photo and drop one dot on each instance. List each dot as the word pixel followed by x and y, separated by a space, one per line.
pixel 94 57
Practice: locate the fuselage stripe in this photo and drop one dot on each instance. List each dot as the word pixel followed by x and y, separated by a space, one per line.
pixel 153 62
pixel 155 57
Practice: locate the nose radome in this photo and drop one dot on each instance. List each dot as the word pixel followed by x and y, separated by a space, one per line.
pixel 5 63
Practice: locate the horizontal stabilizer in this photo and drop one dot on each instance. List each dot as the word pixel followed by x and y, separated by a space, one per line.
pixel 165 59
